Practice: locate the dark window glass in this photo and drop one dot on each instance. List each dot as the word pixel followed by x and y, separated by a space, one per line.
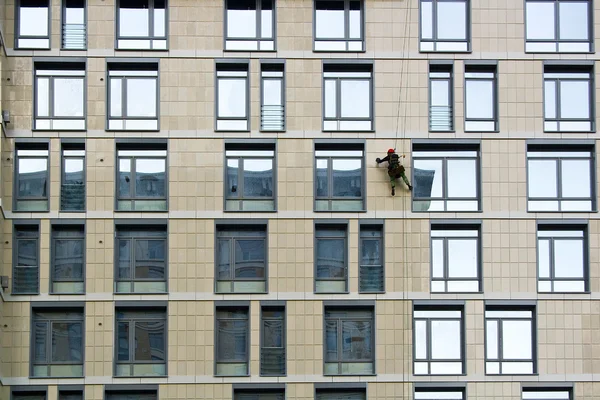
pixel 26 267
pixel 31 178
pixel 72 189
pixel 371 269
pixel 232 342
pixel 142 180
pixel 272 350
pixel 68 249
pixel 331 259
pixel 132 395
pixel 339 176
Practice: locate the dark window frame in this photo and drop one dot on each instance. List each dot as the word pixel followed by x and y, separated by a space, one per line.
pixel 229 307
pixel 258 39
pixel 269 306
pixel 434 387
pixel 547 387
pixel 377 227
pixel 150 38
pixel 346 40
pixel 63 24
pixel 130 389
pixel 435 40
pixel 260 392
pixel 34 227
pixel 268 68
pixel 68 146
pixel 29 390
pixel 71 390
pixel 340 226
pixel 55 229
pixel 17 29
pixel 486 69
pixel 232 65
pixel 27 146
pixel 441 72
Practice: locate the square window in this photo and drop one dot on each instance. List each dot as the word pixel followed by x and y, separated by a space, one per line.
pixel 141 342
pixel 339 25
pixel 456 258
pixel 258 394
pixel 348 97
pixel 558 26
pixel 250 25
pixel 339 177
pixel 250 177
pixel 29 394
pixel 439 340
pixel 142 177
pixel 568 105
pixel 446 178
pixel 57 342
pixel 232 341
pixel 67 269
pixel 32 181
pixel 561 178
pixel 272 97
pixel 142 24
pixel 132 93
pixel 481 99
pixel 232 97
pixel 331 258
pixel 445 26
pixel 241 259
pixel 72 183
pixel 132 394
pixel 32 24
pixel 510 340
pixel 441 98
pixel 547 393
pixel 341 394
pixel 434 392
pixel 74 25
pixel 69 394
pixel 349 341
pixel 26 259
pixel 272 341
pixel 371 269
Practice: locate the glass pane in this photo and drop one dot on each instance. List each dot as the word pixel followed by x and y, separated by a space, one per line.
pixel 576 179
pixel 67 343
pixel 33 18
pixel 516 340
pixel 426 20
pixel 550 99
pixel 141 97
pixel 232 178
pixel 445 340
pixel 116 97
pixel 258 178
pixel 356 99
pixel 224 259
pixel 356 340
pixel 232 340
pixel 73 173
pixel 573 21
pixel 123 341
pixel 568 258
pixel 544 258
pixel 68 259
pixel 329 19
pixel 273 333
pixel 330 99
pixel 331 258
pixel 272 92
pixel 250 258
pixel 266 23
pixel 124 177
pixel 491 337
pixel 159 21
pixel 33 178
pixel 347 178
pixel 150 178
pixel 43 97
pixel 462 178
pixel 462 258
pixel 420 340
pixel 241 19
pixel 428 178
pixel 371 252
pixel 124 254
pixel 150 341
pixel 440 93
pixel 134 18
pixel 322 179
pixel 150 259
pixel 540 20
pixel 68 97
pixel 27 251
pixel 232 98
pixel 40 342
pixel 451 20
pixel 541 178
pixel 355 27
pixel 437 258
pixel 575 100
pixel 331 340
pixel 480 99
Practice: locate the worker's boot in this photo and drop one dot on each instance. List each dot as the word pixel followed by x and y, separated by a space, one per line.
pixel 393 191
pixel 410 187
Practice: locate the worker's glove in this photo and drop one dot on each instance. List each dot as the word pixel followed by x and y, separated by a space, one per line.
pixel 378 160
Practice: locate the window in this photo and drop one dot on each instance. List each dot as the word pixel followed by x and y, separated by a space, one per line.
pixel 510 343
pixel 441 98
pixel 141 259
pixel 446 178
pixel 232 341
pixel 132 394
pixel 331 258
pixel 339 25
pixel 562 26
pixel 348 97
pixel 371 269
pixel 142 24
pixel 456 258
pixel 32 23
pixel 26 259
pixel 28 393
pixel 341 394
pixel 57 347
pixel 481 99
pixel 568 104
pixel 445 25
pixel 546 393
pixel 72 184
pixel 436 392
pixel 561 178
pixel 250 25
pixel 250 177
pixel 68 394
pixel 439 340
pixel 273 341
pixel 74 29
pixel 133 102
pixel 272 98
pixel 232 102
pixel 68 259
pixel 339 177
pixel 141 337
pixel 142 177
pixel 31 177
pixel 241 259
pixel 259 394
pixel 349 341
pixel 562 258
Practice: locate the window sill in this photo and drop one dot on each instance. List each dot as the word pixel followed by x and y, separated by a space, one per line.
pixel 57 377
pixel 534 374
pixel 449 131
pixel 373 374
pixel 330 293
pixel 32 48
pixel 151 50
pixel 132 130
pixel 82 49
pixel 30 211
pixel 232 376
pixel 142 211
pixel 441 375
pixel 445 51
pixel 248 51
pixel 340 211
pixel 238 293
pixel 250 211
pixel 139 376
pixel 562 212
pixel 141 293
pixel 66 294
pixel 382 292
pixel 59 130
pixel 339 51
pixel 348 131
pixel 230 130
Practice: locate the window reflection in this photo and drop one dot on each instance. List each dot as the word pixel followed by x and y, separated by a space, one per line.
pixel 339 180
pixel 142 24
pixel 347 98
pixel 249 25
pixel 445 25
pixel 33 24
pixel 250 180
pixel 338 25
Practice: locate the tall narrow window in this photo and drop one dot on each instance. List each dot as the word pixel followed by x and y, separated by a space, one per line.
pixel 272 100
pixel 32 23
pixel 331 248
pixel 67 263
pixel 250 25
pixel 72 184
pixel 232 97
pixel 31 177
pixel 445 25
pixel 74 25
pixel 272 343
pixel 26 260
pixel 339 25
pixel 371 274
pixel 142 24
pixel 441 98
pixel 481 114
pixel 568 100
pixel 232 341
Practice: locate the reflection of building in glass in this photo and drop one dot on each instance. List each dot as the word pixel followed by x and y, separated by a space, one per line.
pixel 346 183
pixel 256 183
pixel 33 184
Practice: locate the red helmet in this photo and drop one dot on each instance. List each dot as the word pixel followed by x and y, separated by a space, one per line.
pixel 390 151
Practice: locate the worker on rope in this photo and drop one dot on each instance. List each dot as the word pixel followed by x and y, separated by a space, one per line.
pixel 395 169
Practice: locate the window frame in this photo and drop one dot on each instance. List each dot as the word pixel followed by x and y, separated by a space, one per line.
pixel 340 390
pixel 270 66
pixel 279 306
pixel 258 390
pixel 435 40
pixel 27 226
pixel 72 145
pixel 328 225
pixel 31 390
pixel 371 225
pixel 63 23
pixel 149 38
pixel 442 388
pixel 257 38
pixel 57 226
pixel 346 40
pixel 546 387
pixel 228 306
pixel 129 388
pixel 18 28
pixel 27 145
pixel 482 68
pixel 70 390
pixel 233 65
pixel 441 67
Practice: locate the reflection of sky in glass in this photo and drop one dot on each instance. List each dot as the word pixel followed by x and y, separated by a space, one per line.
pixel 141 97
pixel 426 20
pixel 541 178
pixel 68 97
pixel 491 335
pixel 480 99
pixel 544 258
pixel 322 179
pixel 134 22
pixel 33 21
pixel 420 338
pixel 462 178
pixel 74 16
pixel 574 100
pixel 445 340
pixel 576 180
pixel 451 20
pixel 347 178
pixel 440 93
pixel 272 92
pixel 73 165
pixel 437 258
pixel 568 258
pixel 258 178
pixel 330 23
pixel 550 99
pixel 43 88
pixel 330 98
pixel 573 22
pixel 540 20
pixel 115 97
pixel 516 340
pixel 356 98
pixel 232 98
pixel 32 165
pixel 241 23
pixel 462 258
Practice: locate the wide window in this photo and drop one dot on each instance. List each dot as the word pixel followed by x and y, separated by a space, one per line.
pixel 142 177
pixel 568 105
pixel 250 25
pixel 339 25
pixel 371 274
pixel 68 259
pixel 445 25
pixel 439 392
pixel 142 24
pixel 331 258
pixel 272 341
pixel 132 394
pixel 74 25
pixel 510 342
pixel 232 341
pixel 446 178
pixel 348 97
pixel 68 394
pixel 546 393
pixel 232 97
pixel 72 183
pixel 141 259
pixel 26 260
pixel 339 177
pixel 133 102
pixel 562 26
pixel 272 97
pixel 32 24
pixel 341 394
pixel 259 394
pixel 241 259
pixel 57 347
pixel 250 177
pixel 481 99
pixel 561 178
pixel 349 341
pixel 562 258
pixel 441 98
pixel 32 183
pixel 455 258
pixel 28 394
pixel 439 340
pixel 141 336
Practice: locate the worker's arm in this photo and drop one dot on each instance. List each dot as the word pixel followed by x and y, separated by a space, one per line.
pixel 379 160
